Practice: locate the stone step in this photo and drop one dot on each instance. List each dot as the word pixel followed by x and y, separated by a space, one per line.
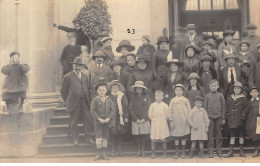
pixel 60 112
pixel 59 120
pixel 61 129
pixel 61 139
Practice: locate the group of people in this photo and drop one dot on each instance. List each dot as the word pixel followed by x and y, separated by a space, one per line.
pixel 153 93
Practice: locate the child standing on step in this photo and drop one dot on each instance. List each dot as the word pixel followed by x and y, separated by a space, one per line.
pixel 179 118
pixel 252 124
pixel 103 110
pixel 139 105
pixel 199 126
pixel 236 111
pixel 121 116
pixel 158 114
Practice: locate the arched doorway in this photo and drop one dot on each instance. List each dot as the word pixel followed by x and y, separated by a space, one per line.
pixel 209 15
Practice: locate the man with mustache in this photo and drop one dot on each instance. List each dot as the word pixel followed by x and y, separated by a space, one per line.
pixel 99 72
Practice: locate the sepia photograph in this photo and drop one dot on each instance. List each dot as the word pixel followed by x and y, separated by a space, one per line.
pixel 129 81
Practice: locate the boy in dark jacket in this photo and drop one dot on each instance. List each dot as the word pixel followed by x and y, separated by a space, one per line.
pixel 103 110
pixel 236 112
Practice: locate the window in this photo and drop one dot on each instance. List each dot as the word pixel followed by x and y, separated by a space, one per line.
pixel 211 4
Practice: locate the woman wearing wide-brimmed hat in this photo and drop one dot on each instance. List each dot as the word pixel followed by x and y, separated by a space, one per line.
pixel 191 62
pixel 226 47
pixel 143 73
pixel 174 76
pixel 123 49
pixel 160 56
pixel 138 108
pixel 116 65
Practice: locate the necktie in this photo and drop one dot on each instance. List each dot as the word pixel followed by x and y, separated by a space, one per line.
pixel 232 76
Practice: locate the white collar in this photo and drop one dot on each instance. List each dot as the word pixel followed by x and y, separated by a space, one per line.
pixel 238 96
pixel 101 65
pixel 257 99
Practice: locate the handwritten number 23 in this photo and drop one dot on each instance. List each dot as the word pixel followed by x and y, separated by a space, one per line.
pixel 129 31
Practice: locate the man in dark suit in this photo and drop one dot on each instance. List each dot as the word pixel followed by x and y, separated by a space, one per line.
pixel 75 93
pixel 69 53
pixel 231 74
pixel 99 72
pixel 193 38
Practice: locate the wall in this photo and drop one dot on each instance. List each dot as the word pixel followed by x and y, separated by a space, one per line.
pixel 254 7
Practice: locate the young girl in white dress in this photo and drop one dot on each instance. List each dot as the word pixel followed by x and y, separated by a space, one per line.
pixel 179 118
pixel 158 114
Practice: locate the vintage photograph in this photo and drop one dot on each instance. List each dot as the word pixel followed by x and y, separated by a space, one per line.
pixel 130 81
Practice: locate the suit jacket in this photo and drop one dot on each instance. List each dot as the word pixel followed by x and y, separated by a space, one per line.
pixel 189 68
pixel 96 74
pixel 254 79
pixel 223 51
pixel 72 93
pixel 198 40
pixel 223 78
pixel 168 84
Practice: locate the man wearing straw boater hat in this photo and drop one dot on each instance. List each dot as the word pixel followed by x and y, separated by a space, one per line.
pixel 75 93
pixel 193 37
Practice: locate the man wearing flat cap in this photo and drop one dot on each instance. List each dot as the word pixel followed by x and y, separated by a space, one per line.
pixel 100 71
pixel 75 93
pixel 251 37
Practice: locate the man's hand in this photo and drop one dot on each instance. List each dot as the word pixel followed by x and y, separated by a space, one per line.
pixel 142 121
pixel 54 25
pixel 138 121
pixel 106 120
pixel 101 120
pixel 223 121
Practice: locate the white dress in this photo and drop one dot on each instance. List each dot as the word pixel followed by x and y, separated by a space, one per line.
pixel 159 113
pixel 179 109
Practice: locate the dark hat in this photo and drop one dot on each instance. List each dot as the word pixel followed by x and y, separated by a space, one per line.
pixel 162 39
pixel 139 84
pixel 191 26
pixel 199 98
pixel 126 44
pixel 207 42
pixel 105 39
pixel 238 84
pixel 98 54
pixel 14 53
pixel 230 56
pixel 244 42
pixel 175 61
pixel 115 82
pixel 253 87
pixel 130 54
pixel 100 82
pixel 205 57
pixel 117 62
pixel 229 32
pixel 251 26
pixel 195 48
pixel 143 57
pixel 78 60
pixel 194 75
pixel 146 37
pixel 179 85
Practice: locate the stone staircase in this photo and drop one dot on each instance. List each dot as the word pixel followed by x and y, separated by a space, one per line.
pixel 57 143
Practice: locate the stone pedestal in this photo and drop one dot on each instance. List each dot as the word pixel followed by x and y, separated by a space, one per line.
pixel 21 133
